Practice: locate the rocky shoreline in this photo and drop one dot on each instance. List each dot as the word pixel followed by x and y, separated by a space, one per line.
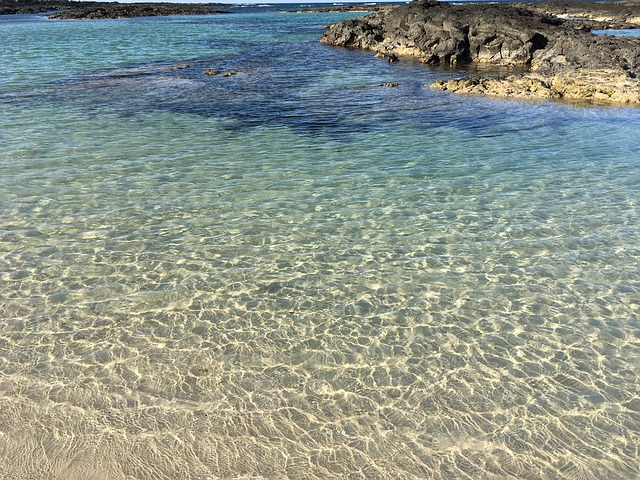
pixel 75 10
pixel 540 51
pixel 355 8
pixel 27 7
pixel 613 12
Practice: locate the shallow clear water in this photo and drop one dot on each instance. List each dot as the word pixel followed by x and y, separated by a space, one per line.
pixel 294 272
pixel 619 33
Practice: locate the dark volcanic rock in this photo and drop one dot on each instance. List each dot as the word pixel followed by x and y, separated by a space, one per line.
pixel 443 33
pixel 75 10
pixel 114 10
pixel 11 7
pixel 550 49
pixel 357 8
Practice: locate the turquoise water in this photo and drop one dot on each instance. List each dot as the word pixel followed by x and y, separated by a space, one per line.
pixel 619 33
pixel 294 272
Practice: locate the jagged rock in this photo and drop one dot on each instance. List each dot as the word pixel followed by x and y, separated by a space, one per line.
pixel 568 63
pixel 448 34
pixel 603 86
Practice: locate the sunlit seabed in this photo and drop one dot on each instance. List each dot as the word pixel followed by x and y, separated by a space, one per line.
pixel 327 279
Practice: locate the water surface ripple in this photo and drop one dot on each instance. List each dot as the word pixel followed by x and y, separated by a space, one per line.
pixel 294 272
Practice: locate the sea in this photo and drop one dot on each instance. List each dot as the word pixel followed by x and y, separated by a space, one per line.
pixel 288 270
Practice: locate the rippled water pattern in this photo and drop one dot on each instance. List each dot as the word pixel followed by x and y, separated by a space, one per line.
pixel 294 272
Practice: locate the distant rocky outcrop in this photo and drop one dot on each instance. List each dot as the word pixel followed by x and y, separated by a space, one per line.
pixel 76 10
pixel 13 7
pixel 353 8
pixel 112 10
pixel 557 57
pixel 615 13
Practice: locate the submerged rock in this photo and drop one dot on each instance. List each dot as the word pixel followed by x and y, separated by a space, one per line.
pixel 557 60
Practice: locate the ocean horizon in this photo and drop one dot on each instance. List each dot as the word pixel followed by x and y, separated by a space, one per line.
pixel 230 251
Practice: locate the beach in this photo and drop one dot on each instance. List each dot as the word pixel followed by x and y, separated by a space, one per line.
pixel 300 271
